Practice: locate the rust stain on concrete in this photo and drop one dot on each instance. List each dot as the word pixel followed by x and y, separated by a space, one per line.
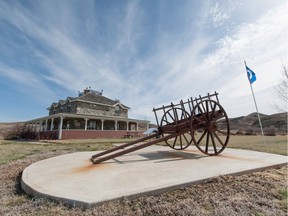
pixel 89 167
pixel 236 157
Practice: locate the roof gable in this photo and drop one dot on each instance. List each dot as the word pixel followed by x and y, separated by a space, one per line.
pixel 94 98
pixel 90 97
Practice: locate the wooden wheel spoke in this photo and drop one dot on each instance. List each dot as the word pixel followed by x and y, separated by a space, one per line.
pixel 176 115
pixel 164 120
pixel 207 110
pixel 181 146
pixel 213 143
pixel 202 113
pixel 222 132
pixel 202 136
pixel 174 143
pixel 185 138
pixel 218 138
pixel 207 142
pixel 202 104
pixel 219 117
pixel 213 111
pixel 182 116
pixel 172 118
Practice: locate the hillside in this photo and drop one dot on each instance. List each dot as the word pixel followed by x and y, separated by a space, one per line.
pixel 275 123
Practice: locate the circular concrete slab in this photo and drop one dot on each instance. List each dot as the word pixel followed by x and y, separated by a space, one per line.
pixel 73 179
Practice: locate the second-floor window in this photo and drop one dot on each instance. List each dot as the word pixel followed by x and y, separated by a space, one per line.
pixel 117 111
pixel 69 108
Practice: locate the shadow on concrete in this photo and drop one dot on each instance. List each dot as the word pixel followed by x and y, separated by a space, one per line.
pixel 161 157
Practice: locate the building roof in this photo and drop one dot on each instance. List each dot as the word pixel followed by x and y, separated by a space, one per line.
pixel 91 97
pixel 71 115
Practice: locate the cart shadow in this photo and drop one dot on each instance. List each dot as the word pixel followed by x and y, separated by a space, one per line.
pixel 163 156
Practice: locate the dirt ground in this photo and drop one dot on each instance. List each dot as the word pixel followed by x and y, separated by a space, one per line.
pixel 259 193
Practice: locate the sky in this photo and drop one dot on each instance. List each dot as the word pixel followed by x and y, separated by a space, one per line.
pixel 144 53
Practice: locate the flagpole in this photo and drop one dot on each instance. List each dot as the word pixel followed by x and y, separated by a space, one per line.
pixel 255 105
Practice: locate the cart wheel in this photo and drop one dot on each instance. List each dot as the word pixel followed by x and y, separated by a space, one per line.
pixel 213 135
pixel 172 117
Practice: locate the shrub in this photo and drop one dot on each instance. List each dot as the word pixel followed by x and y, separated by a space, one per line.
pixel 249 132
pixel 270 131
pixel 14 133
pixel 19 132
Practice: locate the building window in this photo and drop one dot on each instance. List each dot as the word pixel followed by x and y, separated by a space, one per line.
pixel 117 110
pixel 69 109
pixel 68 125
pixel 92 125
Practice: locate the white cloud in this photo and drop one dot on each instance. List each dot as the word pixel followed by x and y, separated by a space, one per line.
pixel 77 50
pixel 218 15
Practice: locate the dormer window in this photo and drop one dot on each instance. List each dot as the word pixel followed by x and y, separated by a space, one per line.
pixel 117 110
pixel 69 108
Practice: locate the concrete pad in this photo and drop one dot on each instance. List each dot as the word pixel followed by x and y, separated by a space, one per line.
pixel 73 179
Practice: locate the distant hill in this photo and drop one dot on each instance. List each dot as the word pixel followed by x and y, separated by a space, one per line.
pixel 248 125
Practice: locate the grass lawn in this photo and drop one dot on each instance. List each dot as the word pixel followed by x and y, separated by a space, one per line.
pixel 260 193
pixel 13 150
pixel 271 144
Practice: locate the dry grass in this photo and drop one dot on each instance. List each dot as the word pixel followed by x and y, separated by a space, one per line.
pixel 271 144
pixel 259 193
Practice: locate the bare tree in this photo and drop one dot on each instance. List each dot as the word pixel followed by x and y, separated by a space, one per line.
pixel 282 89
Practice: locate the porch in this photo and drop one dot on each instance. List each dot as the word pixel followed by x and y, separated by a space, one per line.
pixel 76 126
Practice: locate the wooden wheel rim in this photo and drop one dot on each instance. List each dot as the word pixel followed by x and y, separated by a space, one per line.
pixel 181 141
pixel 215 131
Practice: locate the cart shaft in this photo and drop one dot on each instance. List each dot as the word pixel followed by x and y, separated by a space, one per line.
pixel 129 147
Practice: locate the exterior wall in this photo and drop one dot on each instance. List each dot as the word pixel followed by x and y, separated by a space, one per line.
pixel 80 134
pixel 142 126
pixel 48 135
pixel 69 107
pixel 78 107
pixel 96 109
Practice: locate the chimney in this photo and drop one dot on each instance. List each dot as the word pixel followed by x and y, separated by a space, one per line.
pixel 86 91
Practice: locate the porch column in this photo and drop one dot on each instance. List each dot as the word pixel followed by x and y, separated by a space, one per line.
pixel 102 124
pixel 35 127
pixel 115 125
pixel 41 126
pixel 46 124
pixel 60 128
pixel 86 120
pixel 137 126
pixel 52 122
pixel 127 126
pixel 147 126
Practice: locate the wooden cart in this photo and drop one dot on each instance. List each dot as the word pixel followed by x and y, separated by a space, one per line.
pixel 201 120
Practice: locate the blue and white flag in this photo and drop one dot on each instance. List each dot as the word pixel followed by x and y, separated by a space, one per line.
pixel 251 75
